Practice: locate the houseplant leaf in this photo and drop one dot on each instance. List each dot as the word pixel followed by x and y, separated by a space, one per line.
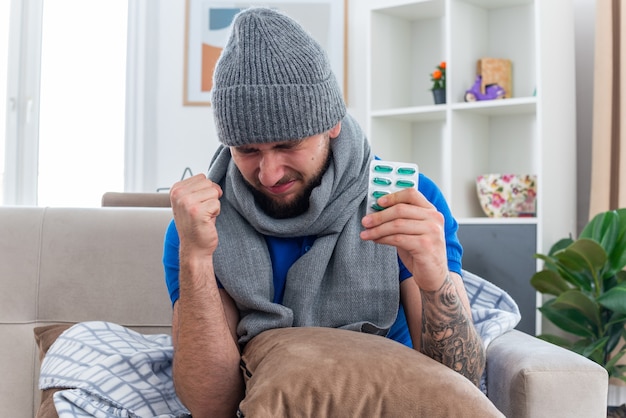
pixel 615 298
pixel 560 245
pixel 549 282
pixel 577 280
pixel 569 320
pixel 615 331
pixel 594 255
pixel 583 255
pixel 609 230
pixel 617 318
pixel 604 229
pixel 576 300
pixel 593 350
pixel 613 368
pixel 593 309
pixel 618 257
pixel 584 259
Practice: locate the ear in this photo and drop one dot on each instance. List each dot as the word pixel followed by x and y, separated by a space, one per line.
pixel 335 130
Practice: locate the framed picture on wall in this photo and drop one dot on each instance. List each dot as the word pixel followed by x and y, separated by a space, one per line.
pixel 208 24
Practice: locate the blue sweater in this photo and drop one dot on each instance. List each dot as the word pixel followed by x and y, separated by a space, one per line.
pixel 285 251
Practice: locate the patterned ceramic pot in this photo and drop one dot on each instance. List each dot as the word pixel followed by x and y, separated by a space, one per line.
pixel 507 195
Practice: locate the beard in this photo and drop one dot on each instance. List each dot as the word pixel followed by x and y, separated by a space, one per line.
pixel 298 206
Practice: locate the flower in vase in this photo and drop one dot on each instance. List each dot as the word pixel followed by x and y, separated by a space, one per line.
pixel 438 77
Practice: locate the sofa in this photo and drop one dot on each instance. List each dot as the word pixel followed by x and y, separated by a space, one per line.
pixel 68 265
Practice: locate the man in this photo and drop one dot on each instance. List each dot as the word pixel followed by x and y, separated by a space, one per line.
pixel 286 199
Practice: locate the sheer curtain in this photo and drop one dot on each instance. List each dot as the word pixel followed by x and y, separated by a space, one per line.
pixel 608 170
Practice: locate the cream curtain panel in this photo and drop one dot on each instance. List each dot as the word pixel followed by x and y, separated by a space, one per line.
pixel 608 172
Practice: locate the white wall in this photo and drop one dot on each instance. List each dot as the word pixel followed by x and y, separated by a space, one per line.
pixel 185 135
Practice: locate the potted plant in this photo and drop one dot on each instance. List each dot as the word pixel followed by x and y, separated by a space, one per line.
pixel 587 279
pixel 438 77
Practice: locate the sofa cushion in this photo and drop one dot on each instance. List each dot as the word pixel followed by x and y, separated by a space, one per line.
pixel 314 371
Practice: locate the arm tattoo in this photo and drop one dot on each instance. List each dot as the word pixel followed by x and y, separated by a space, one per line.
pixel 448 334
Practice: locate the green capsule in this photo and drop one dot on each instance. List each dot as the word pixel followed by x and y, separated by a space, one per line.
pixel 406 171
pixel 378 193
pixel 405 183
pixel 377 207
pixel 381 181
pixel 383 169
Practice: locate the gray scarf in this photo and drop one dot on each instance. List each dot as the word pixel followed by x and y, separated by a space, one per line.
pixel 342 282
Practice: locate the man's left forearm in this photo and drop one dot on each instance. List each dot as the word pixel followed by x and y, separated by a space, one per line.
pixel 448 334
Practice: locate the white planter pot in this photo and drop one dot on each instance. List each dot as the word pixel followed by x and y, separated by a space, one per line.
pixel 616 395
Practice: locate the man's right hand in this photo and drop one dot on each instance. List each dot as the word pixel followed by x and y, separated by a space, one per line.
pixel 206 370
pixel 195 204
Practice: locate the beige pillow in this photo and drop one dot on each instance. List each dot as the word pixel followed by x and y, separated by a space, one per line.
pixel 313 372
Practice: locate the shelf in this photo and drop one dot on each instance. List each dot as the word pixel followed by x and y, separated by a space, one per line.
pixel 412 10
pixel 413 114
pixel 453 143
pixel 498 221
pixel 496 4
pixel 514 106
pixel 495 29
pixel 400 54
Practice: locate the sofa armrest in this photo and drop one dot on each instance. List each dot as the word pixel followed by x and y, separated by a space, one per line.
pixel 528 377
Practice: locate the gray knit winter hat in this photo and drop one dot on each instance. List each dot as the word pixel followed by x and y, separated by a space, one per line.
pixel 273 82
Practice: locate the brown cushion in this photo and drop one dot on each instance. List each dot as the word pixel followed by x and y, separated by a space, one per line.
pixel 45 336
pixel 307 372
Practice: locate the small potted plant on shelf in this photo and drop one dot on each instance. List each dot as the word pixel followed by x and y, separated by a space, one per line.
pixel 438 77
pixel 586 276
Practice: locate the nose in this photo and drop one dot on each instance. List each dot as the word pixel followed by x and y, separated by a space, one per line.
pixel 271 169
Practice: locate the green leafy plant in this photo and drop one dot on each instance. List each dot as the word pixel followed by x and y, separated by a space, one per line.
pixel 588 281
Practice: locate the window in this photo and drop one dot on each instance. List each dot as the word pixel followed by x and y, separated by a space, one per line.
pixel 72 123
pixel 81 116
pixel 5 11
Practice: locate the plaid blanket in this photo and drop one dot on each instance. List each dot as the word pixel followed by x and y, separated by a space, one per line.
pixel 114 372
pixel 117 372
pixel 494 311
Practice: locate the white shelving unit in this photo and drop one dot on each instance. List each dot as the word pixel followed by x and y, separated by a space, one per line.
pixel 533 132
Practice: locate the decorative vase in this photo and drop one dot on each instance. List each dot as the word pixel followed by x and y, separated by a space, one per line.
pixel 439 95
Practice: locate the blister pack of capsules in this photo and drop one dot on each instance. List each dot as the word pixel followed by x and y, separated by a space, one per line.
pixel 387 177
